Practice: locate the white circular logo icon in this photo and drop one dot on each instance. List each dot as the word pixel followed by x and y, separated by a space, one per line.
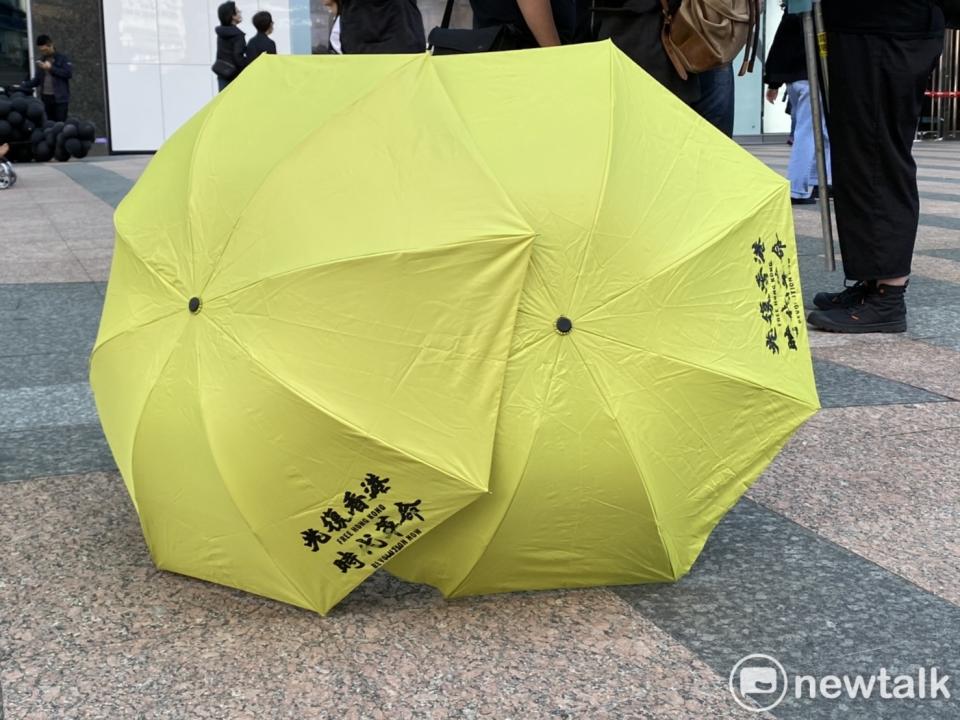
pixel 758 683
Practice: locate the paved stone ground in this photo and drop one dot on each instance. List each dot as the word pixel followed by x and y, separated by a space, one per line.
pixel 844 557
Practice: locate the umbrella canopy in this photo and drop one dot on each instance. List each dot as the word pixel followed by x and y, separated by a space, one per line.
pixel 305 333
pixel 660 360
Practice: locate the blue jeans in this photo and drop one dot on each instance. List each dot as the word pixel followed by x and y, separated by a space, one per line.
pixel 802 170
pixel 716 98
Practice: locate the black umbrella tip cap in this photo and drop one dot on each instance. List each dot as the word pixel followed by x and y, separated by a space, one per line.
pixel 563 325
pixel 194 305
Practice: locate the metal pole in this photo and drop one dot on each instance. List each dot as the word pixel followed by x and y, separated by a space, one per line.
pixel 820 29
pixel 813 76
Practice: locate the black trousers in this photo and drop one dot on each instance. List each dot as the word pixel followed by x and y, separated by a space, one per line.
pixel 55 111
pixel 876 94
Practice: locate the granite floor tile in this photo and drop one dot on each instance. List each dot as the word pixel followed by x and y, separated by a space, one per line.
pixel 46 406
pixel 99 180
pixel 37 452
pixel 947 253
pixel 88 625
pixel 930 368
pixel 938 268
pixel 64 270
pixel 891 496
pixel 841 386
pixel 767 585
pixel 24 371
pixel 49 317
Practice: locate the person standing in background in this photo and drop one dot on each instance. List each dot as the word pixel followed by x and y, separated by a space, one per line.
pixel 381 26
pixel 542 23
pixel 787 64
pixel 231 45
pixel 880 54
pixel 261 42
pixel 716 102
pixel 53 75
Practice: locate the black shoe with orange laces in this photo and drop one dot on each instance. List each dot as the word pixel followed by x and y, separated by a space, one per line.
pixel 881 309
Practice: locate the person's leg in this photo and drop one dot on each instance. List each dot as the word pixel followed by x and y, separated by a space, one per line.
pixel 62 112
pixel 803 153
pixel 49 107
pixel 876 91
pixel 716 103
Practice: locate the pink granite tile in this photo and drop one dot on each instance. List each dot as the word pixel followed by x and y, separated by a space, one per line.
pixel 91 630
pixel 937 268
pixel 67 269
pixel 898 358
pixel 880 481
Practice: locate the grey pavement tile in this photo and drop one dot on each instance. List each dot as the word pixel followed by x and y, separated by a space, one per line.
pixel 941 221
pixel 27 371
pixel 766 585
pixel 841 386
pixel 53 451
pixel 945 197
pixel 107 185
pixel 946 253
pixel 89 626
pixel 890 496
pixel 49 318
pixel 62 270
pixel 47 406
pixel 938 179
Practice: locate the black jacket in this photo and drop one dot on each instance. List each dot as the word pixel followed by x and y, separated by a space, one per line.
pixel 258 45
pixel 634 27
pixel 487 13
pixel 232 46
pixel 381 26
pixel 898 18
pixel 786 61
pixel 61 71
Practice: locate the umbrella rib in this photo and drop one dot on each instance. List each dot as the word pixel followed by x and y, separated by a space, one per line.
pixel 331 262
pixel 516 489
pixel 603 184
pixel 143 411
pixel 636 463
pixel 100 345
pixel 693 253
pixel 193 162
pixel 329 413
pixel 703 368
pixel 293 149
pixel 233 500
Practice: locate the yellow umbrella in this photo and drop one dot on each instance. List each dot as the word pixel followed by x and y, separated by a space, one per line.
pixel 303 344
pixel 660 359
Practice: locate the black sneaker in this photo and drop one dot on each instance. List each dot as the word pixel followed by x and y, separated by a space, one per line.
pixel 848 297
pixel 882 310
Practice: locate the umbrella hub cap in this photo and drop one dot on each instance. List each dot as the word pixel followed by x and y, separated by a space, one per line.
pixel 563 325
pixel 194 305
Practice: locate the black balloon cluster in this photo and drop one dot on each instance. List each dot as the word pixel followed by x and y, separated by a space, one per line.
pixel 24 125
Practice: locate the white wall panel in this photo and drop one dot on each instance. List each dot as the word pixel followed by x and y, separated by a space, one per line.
pixel 130 28
pixel 185 29
pixel 159 54
pixel 186 89
pixel 136 110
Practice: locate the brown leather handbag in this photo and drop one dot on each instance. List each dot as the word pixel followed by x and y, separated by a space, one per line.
pixel 705 34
